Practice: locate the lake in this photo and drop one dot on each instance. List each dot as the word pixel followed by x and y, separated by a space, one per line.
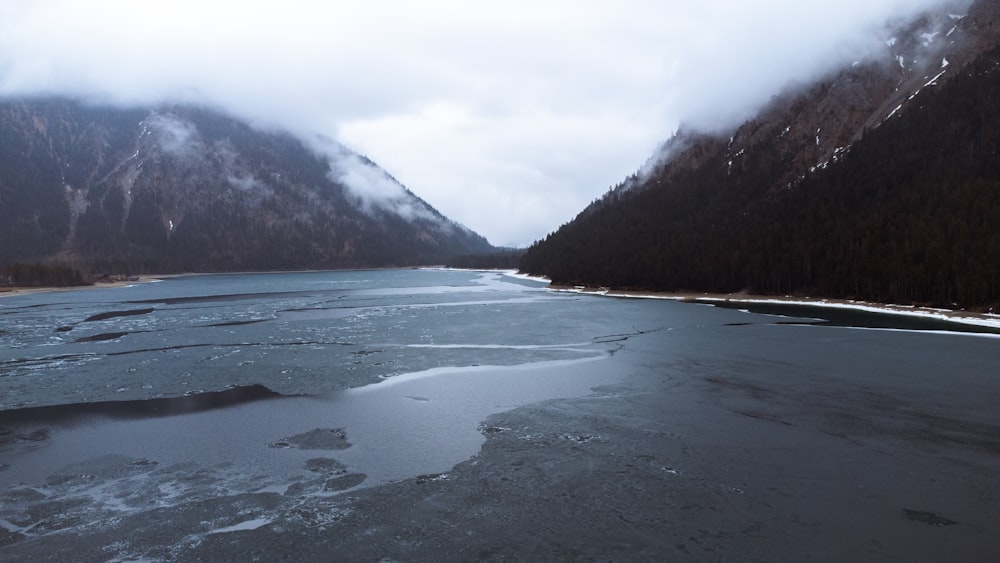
pixel 290 414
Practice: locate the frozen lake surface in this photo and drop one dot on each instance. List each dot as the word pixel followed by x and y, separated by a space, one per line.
pixel 435 414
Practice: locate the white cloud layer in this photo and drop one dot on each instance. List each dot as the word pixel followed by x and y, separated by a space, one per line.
pixel 508 117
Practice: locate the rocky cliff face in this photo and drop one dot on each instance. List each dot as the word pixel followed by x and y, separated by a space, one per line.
pixel 189 189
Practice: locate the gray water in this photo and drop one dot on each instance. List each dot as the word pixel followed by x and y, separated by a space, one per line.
pixel 402 358
pixel 295 333
pixel 118 404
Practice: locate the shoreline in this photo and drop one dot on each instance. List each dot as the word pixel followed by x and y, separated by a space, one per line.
pixel 949 315
pixel 15 291
pixel 149 278
pixel 991 320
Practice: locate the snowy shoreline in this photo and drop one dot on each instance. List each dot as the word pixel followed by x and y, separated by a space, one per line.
pixel 948 315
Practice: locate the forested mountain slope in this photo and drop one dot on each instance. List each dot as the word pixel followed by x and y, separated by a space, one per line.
pixel 184 188
pixel 881 182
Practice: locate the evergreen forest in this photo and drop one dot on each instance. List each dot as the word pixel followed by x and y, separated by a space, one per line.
pixel 909 215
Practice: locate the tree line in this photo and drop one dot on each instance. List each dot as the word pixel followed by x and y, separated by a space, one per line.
pixel 502 259
pixel 909 215
pixel 40 275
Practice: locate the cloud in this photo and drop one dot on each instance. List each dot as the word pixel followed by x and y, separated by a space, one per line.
pixel 506 116
pixel 373 190
pixel 745 57
pixel 174 135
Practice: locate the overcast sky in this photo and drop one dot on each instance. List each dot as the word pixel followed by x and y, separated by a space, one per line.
pixel 507 116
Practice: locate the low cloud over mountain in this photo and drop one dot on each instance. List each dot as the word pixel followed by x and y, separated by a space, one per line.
pixel 181 188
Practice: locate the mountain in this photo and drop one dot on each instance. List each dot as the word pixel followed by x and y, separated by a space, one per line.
pixel 181 188
pixel 879 182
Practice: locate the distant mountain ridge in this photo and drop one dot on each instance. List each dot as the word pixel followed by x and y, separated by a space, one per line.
pixel 184 188
pixel 880 181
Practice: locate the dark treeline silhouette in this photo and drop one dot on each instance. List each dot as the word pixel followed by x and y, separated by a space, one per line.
pixel 504 259
pixel 39 275
pixel 909 215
